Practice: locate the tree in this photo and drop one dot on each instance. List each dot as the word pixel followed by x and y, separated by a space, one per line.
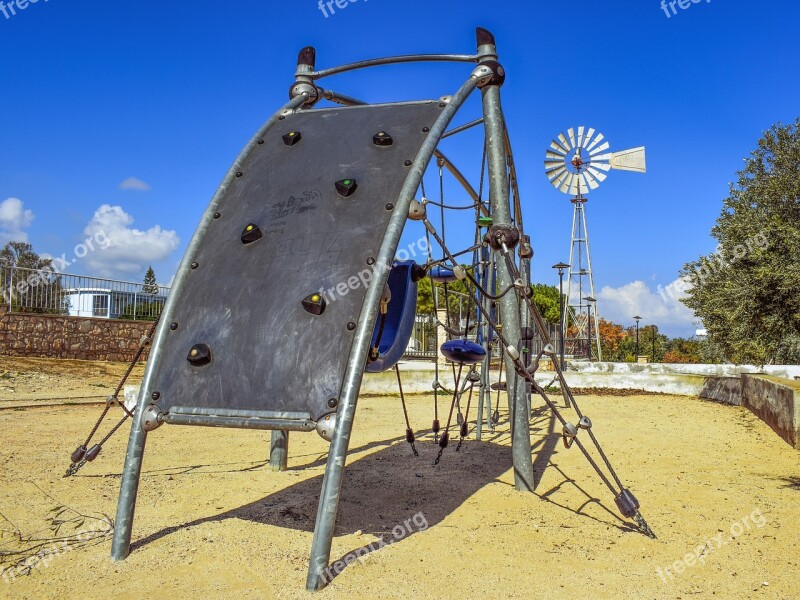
pixel 612 337
pixel 457 298
pixel 29 282
pixel 680 350
pixel 546 299
pixel 746 292
pixel 150 286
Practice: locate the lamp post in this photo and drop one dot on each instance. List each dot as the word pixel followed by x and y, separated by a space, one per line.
pixel 589 302
pixel 637 318
pixel 653 331
pixel 561 268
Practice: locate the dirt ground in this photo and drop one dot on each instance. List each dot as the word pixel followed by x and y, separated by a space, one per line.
pixel 720 489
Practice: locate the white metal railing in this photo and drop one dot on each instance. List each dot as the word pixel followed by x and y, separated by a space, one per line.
pixel 46 291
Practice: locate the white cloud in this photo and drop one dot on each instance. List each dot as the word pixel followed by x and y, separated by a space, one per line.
pixel 661 307
pixel 128 250
pixel 135 184
pixel 14 218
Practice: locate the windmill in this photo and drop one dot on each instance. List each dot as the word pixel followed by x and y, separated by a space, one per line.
pixel 576 163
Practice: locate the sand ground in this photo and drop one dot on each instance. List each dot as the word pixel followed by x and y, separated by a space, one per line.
pixel 213 521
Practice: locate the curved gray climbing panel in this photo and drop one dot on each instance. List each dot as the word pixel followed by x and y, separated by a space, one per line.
pixel 264 321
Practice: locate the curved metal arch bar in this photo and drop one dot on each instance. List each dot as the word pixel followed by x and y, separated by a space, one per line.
pixel 462 180
pixel 390 60
pixel 129 486
pixel 354 372
pixel 512 168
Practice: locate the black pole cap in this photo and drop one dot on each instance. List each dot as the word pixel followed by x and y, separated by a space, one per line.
pixel 484 36
pixel 307 57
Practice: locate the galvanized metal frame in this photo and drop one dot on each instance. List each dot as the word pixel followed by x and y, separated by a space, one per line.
pixel 281 423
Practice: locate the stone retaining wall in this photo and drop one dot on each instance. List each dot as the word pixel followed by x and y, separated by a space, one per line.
pixel 775 401
pixel 58 336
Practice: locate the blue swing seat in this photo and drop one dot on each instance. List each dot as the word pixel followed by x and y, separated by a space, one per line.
pixel 399 319
pixel 463 352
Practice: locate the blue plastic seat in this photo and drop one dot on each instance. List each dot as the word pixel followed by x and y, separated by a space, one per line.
pixel 463 352
pixel 399 319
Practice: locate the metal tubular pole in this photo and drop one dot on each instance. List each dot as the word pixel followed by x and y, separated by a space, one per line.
pixel 129 486
pixel 561 308
pixel 525 274
pixel 392 60
pixel 334 470
pixel 461 128
pixel 484 393
pixel 509 305
pixel 279 450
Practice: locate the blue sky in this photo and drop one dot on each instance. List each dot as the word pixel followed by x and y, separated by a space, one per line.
pixel 158 98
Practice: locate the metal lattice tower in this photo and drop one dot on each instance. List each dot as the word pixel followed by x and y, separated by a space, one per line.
pixel 580 289
pixel 576 163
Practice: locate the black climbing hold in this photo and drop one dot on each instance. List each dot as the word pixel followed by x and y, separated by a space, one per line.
pixel 627 503
pixel 407 163
pixel 426 129
pixel 346 187
pixel 444 440
pixel 436 426
pixel 199 355
pixel 382 139
pixel 155 395
pixel 314 303
pixel 389 206
pixel 464 352
pixel 217 215
pixel 78 454
pixel 239 173
pixel 93 452
pixel 250 234
pixel 260 142
pixel 194 265
pixel 173 326
pixel 370 261
pixel 291 138
pixel 333 403
pixel 351 326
